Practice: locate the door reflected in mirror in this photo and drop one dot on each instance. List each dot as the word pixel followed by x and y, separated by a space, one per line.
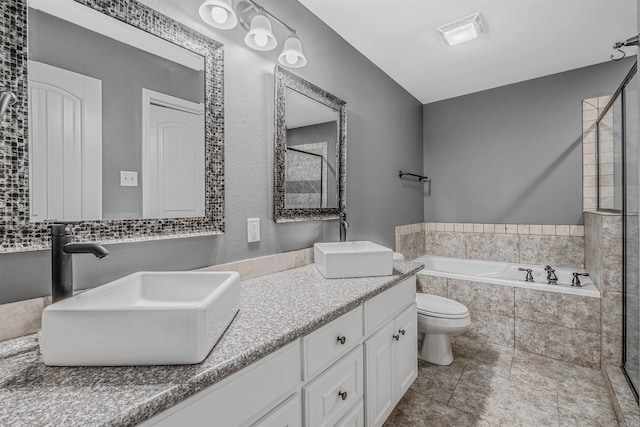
pixel 116 122
pixel 311 154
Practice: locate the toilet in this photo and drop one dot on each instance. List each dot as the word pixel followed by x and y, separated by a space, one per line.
pixel 438 319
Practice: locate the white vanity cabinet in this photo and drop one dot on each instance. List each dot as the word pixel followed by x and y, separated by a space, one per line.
pixel 391 350
pixel 350 372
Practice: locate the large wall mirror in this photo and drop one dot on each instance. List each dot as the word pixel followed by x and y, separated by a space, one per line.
pixel 123 108
pixel 310 151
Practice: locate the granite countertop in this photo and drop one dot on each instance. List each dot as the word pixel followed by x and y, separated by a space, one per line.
pixel 274 310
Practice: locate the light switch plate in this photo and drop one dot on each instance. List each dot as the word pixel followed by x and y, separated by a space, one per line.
pixel 253 230
pixel 128 179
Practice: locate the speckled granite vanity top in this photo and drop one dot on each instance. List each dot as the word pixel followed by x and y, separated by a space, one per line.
pixel 275 310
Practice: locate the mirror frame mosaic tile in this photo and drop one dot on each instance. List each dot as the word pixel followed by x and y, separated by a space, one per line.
pixel 285 79
pixel 17 234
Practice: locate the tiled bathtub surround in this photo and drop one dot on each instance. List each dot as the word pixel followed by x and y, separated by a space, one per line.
pixel 557 245
pixel 603 261
pixel 25 317
pixel 410 240
pixel 560 326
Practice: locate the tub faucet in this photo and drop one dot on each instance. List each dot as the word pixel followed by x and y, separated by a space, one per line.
pixel 61 265
pixel 576 281
pixel 529 277
pixel 343 226
pixel 551 275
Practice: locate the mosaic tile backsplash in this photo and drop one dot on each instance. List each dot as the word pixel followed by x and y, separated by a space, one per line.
pixel 16 232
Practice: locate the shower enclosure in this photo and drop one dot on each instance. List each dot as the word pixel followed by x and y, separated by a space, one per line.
pixel 618 191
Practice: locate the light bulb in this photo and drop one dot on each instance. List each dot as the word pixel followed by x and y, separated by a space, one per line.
pixel 291 58
pixel 219 14
pixel 261 39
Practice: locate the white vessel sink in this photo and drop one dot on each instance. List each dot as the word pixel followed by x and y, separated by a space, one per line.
pixel 352 259
pixel 146 318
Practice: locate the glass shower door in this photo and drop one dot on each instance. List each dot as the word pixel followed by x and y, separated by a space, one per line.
pixel 631 251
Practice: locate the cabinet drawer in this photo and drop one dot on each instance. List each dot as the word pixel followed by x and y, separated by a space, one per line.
pixel 383 307
pixel 288 414
pixel 324 346
pixel 241 398
pixel 330 396
pixel 355 417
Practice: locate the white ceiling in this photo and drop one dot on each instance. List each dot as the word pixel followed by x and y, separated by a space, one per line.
pixel 524 39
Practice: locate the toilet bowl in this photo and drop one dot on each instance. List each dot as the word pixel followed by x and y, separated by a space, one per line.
pixel 438 319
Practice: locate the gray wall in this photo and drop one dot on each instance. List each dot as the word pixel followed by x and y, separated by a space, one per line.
pixel 512 154
pixel 319 133
pixel 124 71
pixel 384 136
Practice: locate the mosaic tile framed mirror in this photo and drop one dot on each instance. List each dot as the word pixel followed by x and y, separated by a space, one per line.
pixel 310 153
pixel 118 127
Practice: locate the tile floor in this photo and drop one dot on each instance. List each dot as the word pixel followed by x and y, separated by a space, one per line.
pixel 492 385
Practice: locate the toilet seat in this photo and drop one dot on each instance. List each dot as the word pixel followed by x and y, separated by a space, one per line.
pixel 435 306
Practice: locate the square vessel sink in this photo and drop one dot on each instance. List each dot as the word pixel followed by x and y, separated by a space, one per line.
pixel 337 260
pixel 146 318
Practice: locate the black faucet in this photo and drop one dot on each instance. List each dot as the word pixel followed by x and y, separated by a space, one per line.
pixel 61 265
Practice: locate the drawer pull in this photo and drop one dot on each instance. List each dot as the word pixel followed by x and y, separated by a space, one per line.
pixel 396 337
pixel 343 395
pixel 342 340
pixel 402 331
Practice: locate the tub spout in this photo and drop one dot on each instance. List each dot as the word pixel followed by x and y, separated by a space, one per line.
pixel 551 275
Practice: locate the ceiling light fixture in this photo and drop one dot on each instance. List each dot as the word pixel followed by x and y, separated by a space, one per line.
pixel 292 55
pixel 260 35
pixel 462 30
pixel 256 20
pixel 219 14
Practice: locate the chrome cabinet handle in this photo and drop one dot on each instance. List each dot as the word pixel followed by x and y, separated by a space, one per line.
pixel 343 395
pixel 342 340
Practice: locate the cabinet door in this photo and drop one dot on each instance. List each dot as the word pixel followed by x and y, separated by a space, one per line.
pixel 380 366
pixel 406 350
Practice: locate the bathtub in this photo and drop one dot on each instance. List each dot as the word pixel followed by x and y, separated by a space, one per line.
pixel 506 274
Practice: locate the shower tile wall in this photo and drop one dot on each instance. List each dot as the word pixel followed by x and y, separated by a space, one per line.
pixel 591 108
pixel 306 176
pixel 603 261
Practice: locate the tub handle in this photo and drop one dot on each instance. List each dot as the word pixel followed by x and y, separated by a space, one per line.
pixel 529 277
pixel 576 281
